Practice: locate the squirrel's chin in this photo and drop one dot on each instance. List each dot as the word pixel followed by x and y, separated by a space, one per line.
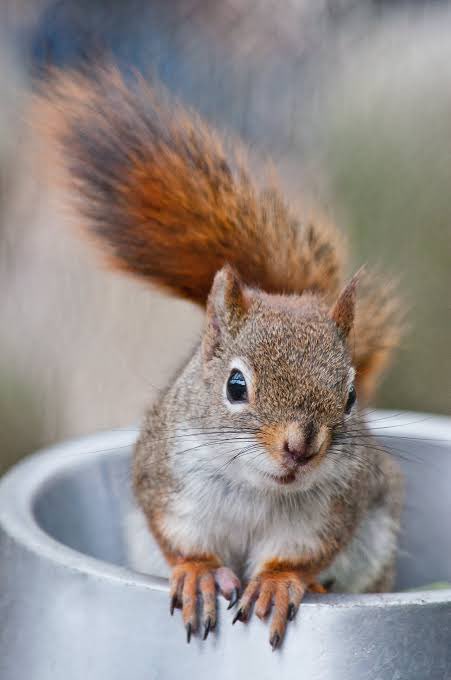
pixel 285 481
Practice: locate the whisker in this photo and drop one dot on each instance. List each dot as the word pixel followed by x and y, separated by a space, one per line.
pixel 207 444
pixel 370 434
pixel 244 451
pixel 367 443
pixel 388 417
pixel 391 427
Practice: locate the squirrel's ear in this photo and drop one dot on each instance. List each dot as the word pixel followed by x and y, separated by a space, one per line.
pixel 343 311
pixel 227 305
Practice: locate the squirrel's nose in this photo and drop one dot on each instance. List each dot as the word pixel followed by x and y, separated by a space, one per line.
pixel 298 443
pixel 297 452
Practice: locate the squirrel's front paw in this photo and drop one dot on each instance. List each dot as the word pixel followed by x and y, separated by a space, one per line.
pixel 194 580
pixel 282 590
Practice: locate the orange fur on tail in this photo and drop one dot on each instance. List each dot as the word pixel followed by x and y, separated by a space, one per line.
pixel 171 202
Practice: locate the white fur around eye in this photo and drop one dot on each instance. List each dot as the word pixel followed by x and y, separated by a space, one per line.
pixel 240 365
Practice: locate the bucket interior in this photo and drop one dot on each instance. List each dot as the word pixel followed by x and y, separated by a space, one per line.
pixel 90 508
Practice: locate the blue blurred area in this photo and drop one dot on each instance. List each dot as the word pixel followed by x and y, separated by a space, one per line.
pixel 71 33
pixel 197 49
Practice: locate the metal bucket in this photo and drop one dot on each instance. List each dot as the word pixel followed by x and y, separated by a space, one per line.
pixel 74 607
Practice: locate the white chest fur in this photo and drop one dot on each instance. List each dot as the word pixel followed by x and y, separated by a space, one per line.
pixel 244 527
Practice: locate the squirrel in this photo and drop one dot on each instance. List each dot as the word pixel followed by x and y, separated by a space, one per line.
pixel 256 464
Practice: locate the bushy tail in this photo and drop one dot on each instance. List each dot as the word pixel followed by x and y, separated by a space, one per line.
pixel 170 204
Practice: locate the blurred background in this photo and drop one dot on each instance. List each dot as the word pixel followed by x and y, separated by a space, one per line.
pixel 351 98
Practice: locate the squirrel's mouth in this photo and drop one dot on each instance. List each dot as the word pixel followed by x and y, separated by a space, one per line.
pixel 289 478
pixel 292 475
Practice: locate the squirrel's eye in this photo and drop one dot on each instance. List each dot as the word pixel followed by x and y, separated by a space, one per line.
pixel 352 396
pixel 236 387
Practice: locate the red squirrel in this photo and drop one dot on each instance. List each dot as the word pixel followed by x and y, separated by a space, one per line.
pixel 255 465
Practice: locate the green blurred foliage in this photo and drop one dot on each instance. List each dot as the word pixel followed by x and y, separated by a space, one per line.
pixel 388 161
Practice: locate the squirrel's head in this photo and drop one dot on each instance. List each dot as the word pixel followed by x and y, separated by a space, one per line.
pixel 280 376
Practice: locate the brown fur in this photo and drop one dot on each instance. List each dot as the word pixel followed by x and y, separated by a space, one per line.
pixel 156 184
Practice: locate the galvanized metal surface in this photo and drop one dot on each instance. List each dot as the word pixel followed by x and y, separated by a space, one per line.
pixel 71 607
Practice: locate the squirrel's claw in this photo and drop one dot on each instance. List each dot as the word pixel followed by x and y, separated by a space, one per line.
pixel 281 591
pixel 291 611
pixel 174 603
pixel 245 603
pixel 238 616
pixel 207 628
pixel 195 581
pixel 274 641
pixel 234 598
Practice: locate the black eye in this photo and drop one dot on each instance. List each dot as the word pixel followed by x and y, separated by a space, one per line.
pixel 352 396
pixel 236 387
